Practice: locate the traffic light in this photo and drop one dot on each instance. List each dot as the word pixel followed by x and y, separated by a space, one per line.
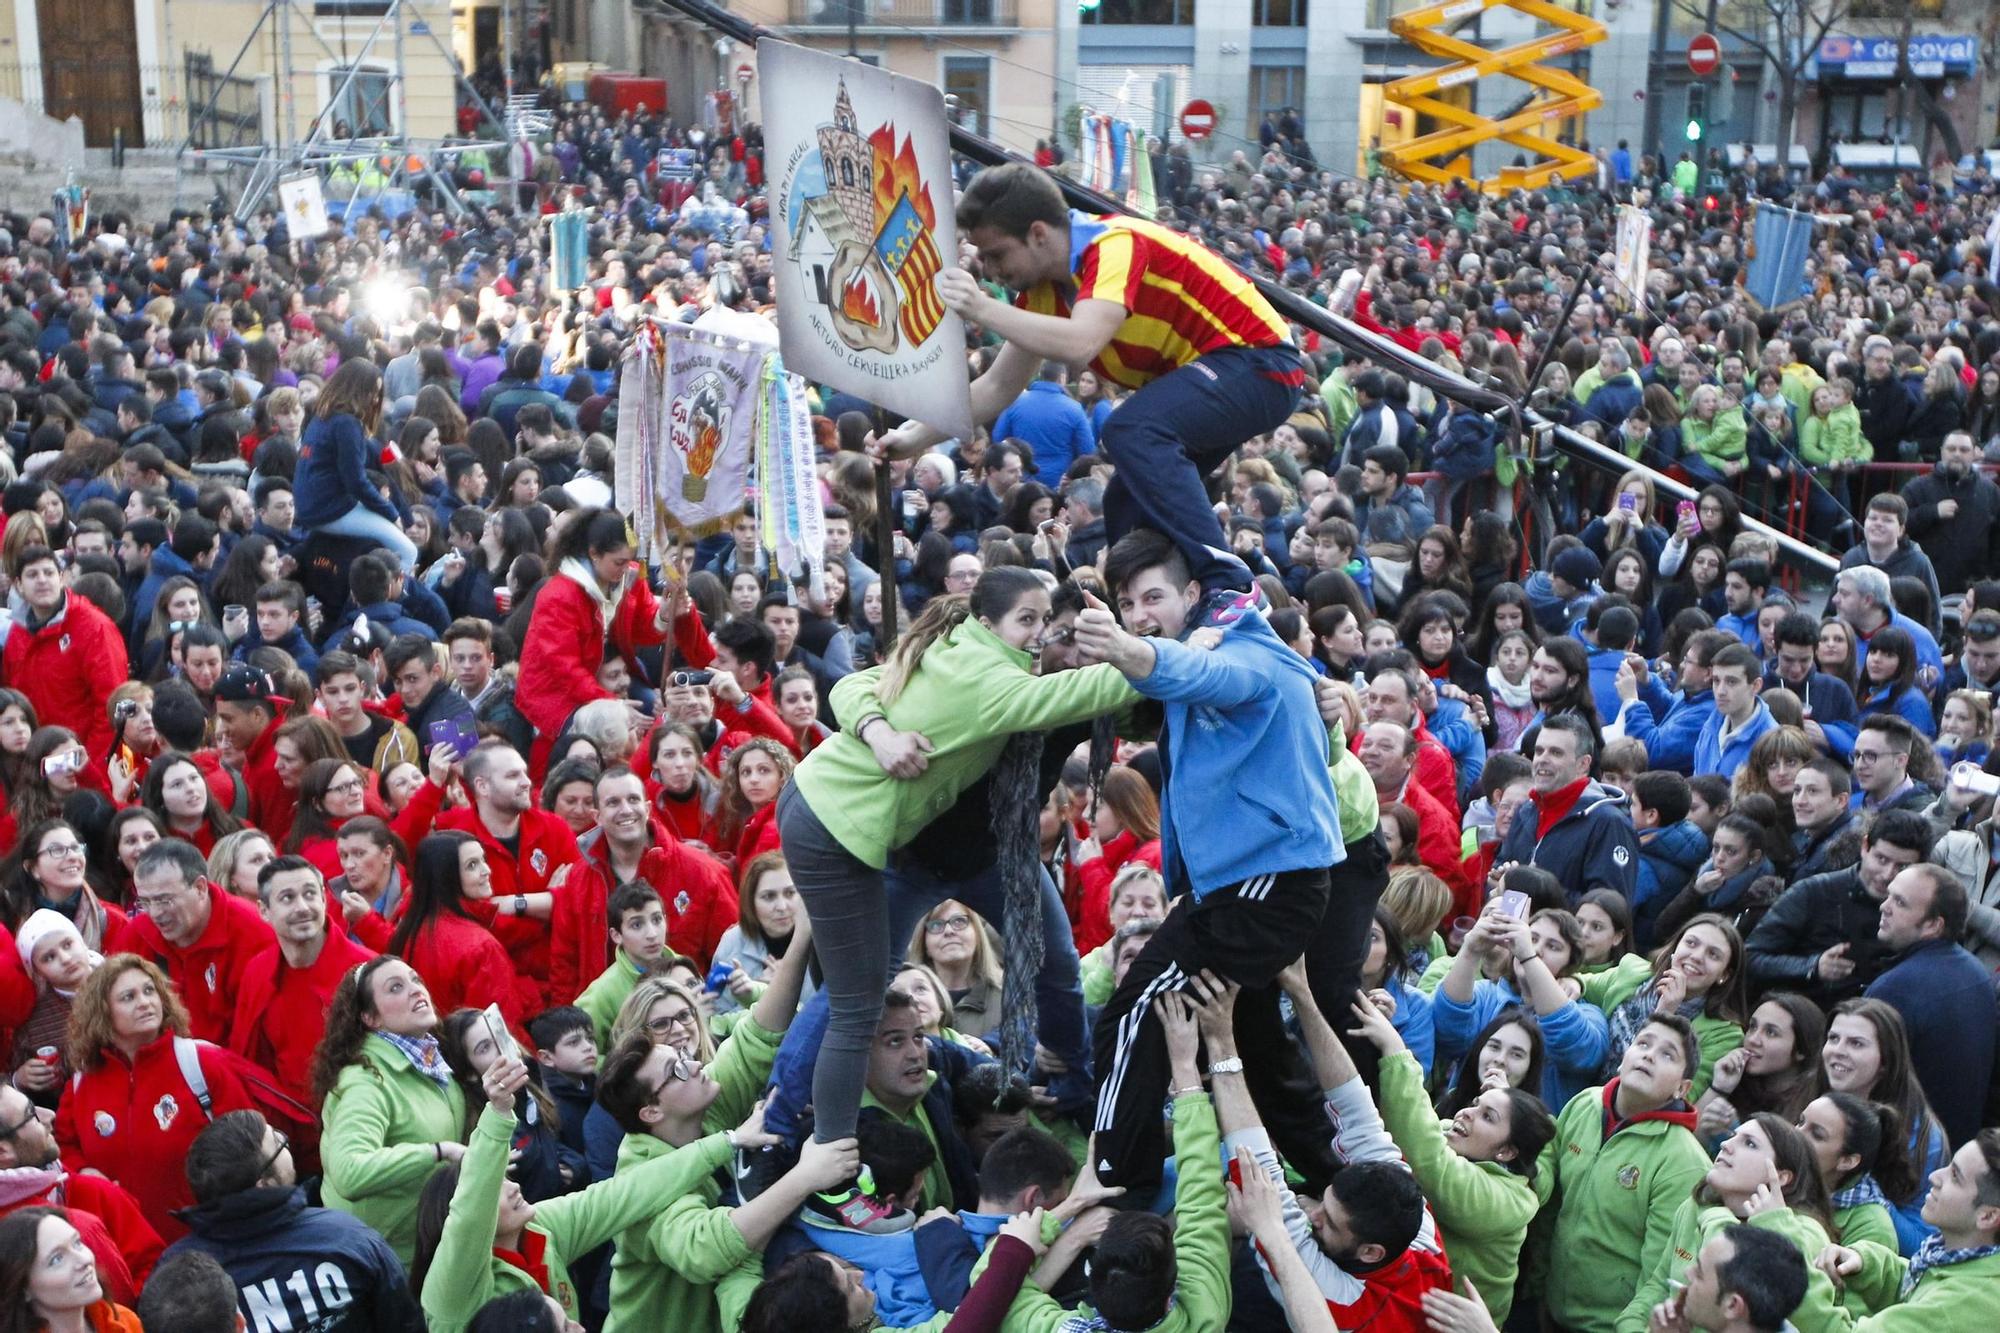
pixel 1088 6
pixel 1697 111
pixel 1694 131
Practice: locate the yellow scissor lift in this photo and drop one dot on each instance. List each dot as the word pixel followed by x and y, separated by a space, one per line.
pixel 1558 94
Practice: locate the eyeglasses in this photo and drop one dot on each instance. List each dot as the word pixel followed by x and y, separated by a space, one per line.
pixel 954 924
pixel 668 1022
pixel 346 788
pixel 683 1070
pixel 9 1131
pixel 62 851
pixel 284 1142
pixel 152 902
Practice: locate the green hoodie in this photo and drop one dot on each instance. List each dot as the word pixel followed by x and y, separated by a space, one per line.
pixel 465 1274
pixel 1696 1224
pixel 604 997
pixel 1482 1208
pixel 1616 1200
pixel 969 695
pixel 1723 438
pixel 1833 438
pixel 382 1121
pixel 1950 1298
pixel 666 1266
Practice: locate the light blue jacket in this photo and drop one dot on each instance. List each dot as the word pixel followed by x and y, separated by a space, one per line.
pixel 1576 1035
pixel 1248 791
pixel 1711 755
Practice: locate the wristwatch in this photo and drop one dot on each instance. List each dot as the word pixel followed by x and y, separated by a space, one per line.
pixel 1233 1065
pixel 520 904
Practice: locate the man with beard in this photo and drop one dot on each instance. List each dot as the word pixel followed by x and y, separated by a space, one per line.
pixel 1571 827
pixel 1953 512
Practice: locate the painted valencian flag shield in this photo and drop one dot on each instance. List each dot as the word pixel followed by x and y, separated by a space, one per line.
pixel 861 208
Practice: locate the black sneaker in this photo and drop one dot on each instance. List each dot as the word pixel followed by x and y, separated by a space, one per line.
pixel 757 1169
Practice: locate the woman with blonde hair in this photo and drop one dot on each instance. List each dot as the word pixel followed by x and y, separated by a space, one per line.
pixel 1419 900
pixel 237 858
pixel 956 943
pixel 129 1110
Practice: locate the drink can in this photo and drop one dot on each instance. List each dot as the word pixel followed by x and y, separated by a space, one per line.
pixel 49 1055
pixel 503 598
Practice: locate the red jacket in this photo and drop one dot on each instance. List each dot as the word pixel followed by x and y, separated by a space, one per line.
pixel 465 967
pixel 208 974
pixel 546 846
pixel 698 894
pixel 17 989
pixel 1094 917
pixel 134 1120
pixel 68 668
pixel 683 817
pixel 272 804
pixel 1435 771
pixel 565 647
pixel 281 1010
pixel 759 835
pixel 103 1212
pixel 416 820
pixel 1440 847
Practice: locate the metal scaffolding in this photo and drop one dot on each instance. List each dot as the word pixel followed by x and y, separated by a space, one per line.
pixel 381 161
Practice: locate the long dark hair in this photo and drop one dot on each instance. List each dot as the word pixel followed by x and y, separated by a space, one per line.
pixel 353 1002
pixel 434 887
pixel 1728 999
pixel 1787 1091
pixel 354 389
pixel 1464 1086
pixel 220 822
pixel 312 820
pixel 19 888
pixel 1876 1134
pixel 1896 1082
pixel 455 1039
pixel 237 582
pixel 1898 643
pixel 1790 1151
pixel 1485 638
pixel 20 1244
pixel 14 768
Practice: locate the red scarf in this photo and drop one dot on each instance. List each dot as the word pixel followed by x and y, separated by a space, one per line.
pixel 1550 807
pixel 529 1258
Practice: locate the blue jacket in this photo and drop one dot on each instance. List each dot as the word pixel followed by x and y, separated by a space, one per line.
pixel 1830 703
pixel 1552 613
pixel 1744 627
pixel 1590 847
pixel 1366 431
pixel 296 643
pixel 1054 425
pixel 1464 448
pixel 164 565
pixel 1928 654
pixel 1604 664
pixel 1406 498
pixel 949 1248
pixel 1910 704
pixel 334 455
pixel 1613 400
pixel 888 1262
pixel 1668 859
pixel 1450 725
pixel 390 615
pixel 1713 755
pixel 300 1267
pixel 1246 708
pixel 1670 732
pixel 1945 996
pixel 1577 1035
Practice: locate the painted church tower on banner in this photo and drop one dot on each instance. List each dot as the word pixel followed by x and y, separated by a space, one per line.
pixel 849 165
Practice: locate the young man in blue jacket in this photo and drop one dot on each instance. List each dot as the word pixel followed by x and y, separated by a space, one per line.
pixel 1248 830
pixel 1671 724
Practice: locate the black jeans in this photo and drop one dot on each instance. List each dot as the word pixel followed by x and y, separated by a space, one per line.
pixel 1246 933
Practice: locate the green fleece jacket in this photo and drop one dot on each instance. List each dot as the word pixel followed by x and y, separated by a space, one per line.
pixel 742 1068
pixel 1616 1198
pixel 603 998
pixel 381 1122
pixel 1797 384
pixel 1620 982
pixel 1954 1298
pixel 1833 438
pixel 1724 438
pixel 1592 379
pixel 1482 1208
pixel 667 1265
pixel 466 1273
pixel 1696 1224
pixel 968 696
pixel 1865 1221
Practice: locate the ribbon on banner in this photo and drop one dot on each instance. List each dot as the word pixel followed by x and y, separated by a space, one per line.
pixel 568 235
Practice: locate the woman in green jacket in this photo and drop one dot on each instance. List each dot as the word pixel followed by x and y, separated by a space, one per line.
pixel 1477 1169
pixel 1698 974
pixel 391 1111
pixel 478 1238
pixel 1765 1175
pixel 915 734
pixel 1864 1159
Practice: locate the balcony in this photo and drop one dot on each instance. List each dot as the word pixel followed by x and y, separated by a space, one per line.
pixel 909 16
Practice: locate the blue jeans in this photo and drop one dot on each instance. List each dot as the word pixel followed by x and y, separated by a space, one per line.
pixel 912 892
pixel 362 521
pixel 1170 434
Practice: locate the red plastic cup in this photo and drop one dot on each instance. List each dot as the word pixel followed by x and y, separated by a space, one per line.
pixel 503 598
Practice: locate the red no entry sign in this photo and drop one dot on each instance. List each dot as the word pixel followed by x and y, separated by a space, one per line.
pixel 1704 53
pixel 1197 119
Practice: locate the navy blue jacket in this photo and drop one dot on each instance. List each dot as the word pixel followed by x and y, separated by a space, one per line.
pixel 164 565
pixel 1464 448
pixel 1667 861
pixel 1591 847
pixel 300 1267
pixel 296 643
pixel 1946 999
pixel 1828 702
pixel 334 456
pixel 1055 426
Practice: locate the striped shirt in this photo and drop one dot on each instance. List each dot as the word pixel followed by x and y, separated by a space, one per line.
pixel 1181 301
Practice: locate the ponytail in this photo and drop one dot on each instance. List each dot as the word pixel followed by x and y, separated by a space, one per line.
pixel 939 618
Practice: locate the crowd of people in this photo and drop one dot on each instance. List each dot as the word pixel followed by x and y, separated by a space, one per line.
pixel 1258 881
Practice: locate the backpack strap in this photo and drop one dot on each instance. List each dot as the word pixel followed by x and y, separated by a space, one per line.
pixel 187 1053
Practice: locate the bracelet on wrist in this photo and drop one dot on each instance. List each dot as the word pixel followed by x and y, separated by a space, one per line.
pixel 1231 1065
